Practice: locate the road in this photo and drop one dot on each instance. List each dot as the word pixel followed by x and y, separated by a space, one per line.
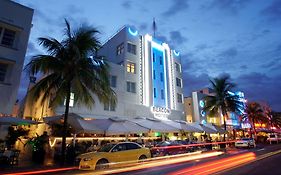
pixel 262 160
pixel 269 165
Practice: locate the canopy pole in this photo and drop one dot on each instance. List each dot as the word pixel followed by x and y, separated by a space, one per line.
pixel 126 138
pixel 74 140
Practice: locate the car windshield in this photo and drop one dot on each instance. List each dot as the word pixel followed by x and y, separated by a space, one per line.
pixel 165 143
pixel 272 136
pixel 106 148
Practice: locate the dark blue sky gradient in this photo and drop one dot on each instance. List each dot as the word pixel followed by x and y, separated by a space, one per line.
pixel 236 37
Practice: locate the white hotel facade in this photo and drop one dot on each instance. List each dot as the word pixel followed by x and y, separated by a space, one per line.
pixel 146 75
pixel 15 26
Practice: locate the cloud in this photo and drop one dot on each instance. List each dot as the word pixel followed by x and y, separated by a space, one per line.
pixel 230 52
pixel 260 34
pixel 127 5
pixel 177 38
pixel 232 6
pixel 256 86
pixel 176 7
pixel 278 48
pixel 273 11
pixel 244 67
pixel 261 87
pixel 201 47
pixel 272 64
pixel 194 82
pixel 142 26
pixel 162 38
pixel 74 9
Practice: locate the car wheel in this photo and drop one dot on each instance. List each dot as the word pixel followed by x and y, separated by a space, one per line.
pixel 102 164
pixel 142 157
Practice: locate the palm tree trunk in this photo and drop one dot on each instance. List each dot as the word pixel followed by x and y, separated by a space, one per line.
pixel 224 125
pixel 254 128
pixel 63 145
pixel 224 122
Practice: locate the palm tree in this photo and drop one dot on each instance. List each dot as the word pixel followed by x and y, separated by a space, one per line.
pixel 223 101
pixel 71 66
pixel 255 113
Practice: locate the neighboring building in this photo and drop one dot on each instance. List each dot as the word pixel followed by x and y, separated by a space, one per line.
pixel 198 104
pixel 195 109
pixel 146 76
pixel 188 109
pixel 15 25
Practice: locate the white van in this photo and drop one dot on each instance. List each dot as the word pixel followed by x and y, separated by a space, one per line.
pixel 274 138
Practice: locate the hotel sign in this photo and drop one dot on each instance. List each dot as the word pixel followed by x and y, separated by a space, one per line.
pixel 160 110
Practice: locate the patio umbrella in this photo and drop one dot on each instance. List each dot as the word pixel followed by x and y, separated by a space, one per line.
pixel 59 118
pixel 205 128
pixel 115 126
pixel 154 124
pixel 85 126
pixel 77 122
pixel 8 120
pixel 208 129
pixel 219 129
pixel 186 126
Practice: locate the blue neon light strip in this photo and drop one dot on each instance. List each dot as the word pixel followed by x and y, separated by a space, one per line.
pixel 159 85
pixel 134 33
pixel 176 53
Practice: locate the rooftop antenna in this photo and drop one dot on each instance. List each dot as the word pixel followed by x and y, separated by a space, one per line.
pixel 154 27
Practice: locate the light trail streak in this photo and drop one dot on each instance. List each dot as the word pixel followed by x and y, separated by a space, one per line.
pixel 147 164
pixel 42 171
pixel 193 145
pixel 218 165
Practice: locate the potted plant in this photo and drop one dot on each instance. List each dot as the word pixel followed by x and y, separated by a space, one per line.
pixel 14 135
pixel 38 147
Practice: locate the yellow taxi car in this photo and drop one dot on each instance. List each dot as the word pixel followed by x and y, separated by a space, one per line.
pixel 113 153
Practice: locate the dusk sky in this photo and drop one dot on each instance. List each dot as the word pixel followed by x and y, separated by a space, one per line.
pixel 241 38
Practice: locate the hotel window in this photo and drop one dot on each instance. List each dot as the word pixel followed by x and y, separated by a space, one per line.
pixel 3 71
pixel 162 94
pixel 131 87
pixel 8 37
pixel 120 49
pixel 178 82
pixel 161 60
pixel 178 67
pixel 161 76
pixel 154 92
pixel 154 77
pixel 113 80
pixel 179 98
pixel 109 106
pixel 131 67
pixel 153 57
pixel 131 48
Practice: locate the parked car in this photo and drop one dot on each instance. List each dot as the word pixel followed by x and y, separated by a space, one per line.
pixel 169 148
pixel 119 152
pixel 274 138
pixel 245 143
